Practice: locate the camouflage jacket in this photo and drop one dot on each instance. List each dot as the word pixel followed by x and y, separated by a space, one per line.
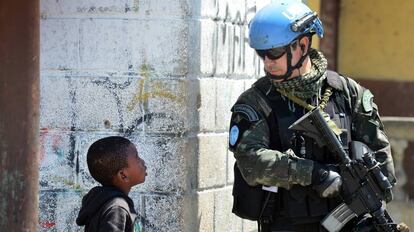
pixel 249 139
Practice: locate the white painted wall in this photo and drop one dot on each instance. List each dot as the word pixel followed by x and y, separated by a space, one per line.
pixel 162 73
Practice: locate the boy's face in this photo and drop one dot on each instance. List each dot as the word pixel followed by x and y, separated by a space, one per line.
pixel 136 167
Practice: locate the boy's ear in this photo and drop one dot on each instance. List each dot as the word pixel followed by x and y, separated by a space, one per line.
pixel 122 175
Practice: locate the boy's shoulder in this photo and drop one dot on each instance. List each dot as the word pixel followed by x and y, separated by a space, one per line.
pixel 121 202
pixel 122 209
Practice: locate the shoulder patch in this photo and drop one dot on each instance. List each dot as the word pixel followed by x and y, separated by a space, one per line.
pixel 234 135
pixel 246 110
pixel 367 100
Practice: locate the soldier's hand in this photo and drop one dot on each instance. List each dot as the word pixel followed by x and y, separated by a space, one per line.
pixel 325 180
pixel 403 227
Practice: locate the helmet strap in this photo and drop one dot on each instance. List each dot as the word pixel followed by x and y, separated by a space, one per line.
pixel 290 68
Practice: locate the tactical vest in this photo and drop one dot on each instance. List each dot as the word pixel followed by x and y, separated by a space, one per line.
pixel 300 204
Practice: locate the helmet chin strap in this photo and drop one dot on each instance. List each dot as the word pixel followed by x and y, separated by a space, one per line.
pixel 290 68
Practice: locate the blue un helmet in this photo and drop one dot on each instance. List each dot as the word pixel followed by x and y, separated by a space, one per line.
pixel 280 23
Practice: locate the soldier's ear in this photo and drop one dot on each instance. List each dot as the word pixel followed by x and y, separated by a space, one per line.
pixel 304 45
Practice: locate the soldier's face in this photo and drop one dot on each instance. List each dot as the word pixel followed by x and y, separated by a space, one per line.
pixel 276 66
pixel 279 66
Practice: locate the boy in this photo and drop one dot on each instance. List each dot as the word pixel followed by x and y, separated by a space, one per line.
pixel 115 164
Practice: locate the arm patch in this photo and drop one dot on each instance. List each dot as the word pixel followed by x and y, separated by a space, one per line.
pixel 234 135
pixel 246 110
pixel 367 100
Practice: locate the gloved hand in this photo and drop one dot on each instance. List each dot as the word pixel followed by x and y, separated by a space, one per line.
pixel 403 227
pixel 325 180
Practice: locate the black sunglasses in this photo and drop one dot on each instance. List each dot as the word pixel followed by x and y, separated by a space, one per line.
pixel 275 53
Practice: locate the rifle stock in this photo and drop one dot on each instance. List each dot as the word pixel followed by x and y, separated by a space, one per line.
pixel 364 189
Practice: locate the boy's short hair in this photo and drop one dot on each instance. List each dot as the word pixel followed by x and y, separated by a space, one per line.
pixel 106 157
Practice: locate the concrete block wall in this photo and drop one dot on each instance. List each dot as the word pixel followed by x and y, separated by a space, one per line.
pixel 165 75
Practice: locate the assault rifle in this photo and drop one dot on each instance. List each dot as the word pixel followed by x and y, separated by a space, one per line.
pixel 365 189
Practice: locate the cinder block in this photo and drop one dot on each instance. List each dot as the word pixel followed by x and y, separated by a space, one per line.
pixel 59 44
pixel 225 220
pixel 205 9
pixel 223 52
pixel 55 8
pixel 101 103
pixel 202 37
pixel 212 147
pixel 102 47
pixel 165 44
pixel 169 104
pixel 57 160
pixel 243 59
pixel 221 49
pixel 231 11
pixel 251 9
pixel 205 215
pixel 252 6
pixel 56 102
pixel 249 226
pixel 163 213
pixel 253 64
pixel 230 167
pixel 127 45
pixel 223 42
pixel 237 56
pixel 207 104
pixel 97 103
pixel 237 88
pixel 59 209
pixel 223 104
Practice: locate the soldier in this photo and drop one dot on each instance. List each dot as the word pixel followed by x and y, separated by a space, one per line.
pixel 284 180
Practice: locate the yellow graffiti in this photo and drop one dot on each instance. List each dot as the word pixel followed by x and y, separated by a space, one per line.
pixel 158 89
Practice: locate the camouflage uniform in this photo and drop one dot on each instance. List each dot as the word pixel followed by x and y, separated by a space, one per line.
pixel 260 165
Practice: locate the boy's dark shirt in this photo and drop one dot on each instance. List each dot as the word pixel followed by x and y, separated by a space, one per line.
pixel 106 209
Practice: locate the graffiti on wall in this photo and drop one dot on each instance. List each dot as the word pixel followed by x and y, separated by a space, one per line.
pixel 64 178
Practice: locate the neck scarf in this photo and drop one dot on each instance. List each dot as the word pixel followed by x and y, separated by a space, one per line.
pixel 308 85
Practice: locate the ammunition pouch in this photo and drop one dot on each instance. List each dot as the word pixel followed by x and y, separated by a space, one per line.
pixel 247 200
